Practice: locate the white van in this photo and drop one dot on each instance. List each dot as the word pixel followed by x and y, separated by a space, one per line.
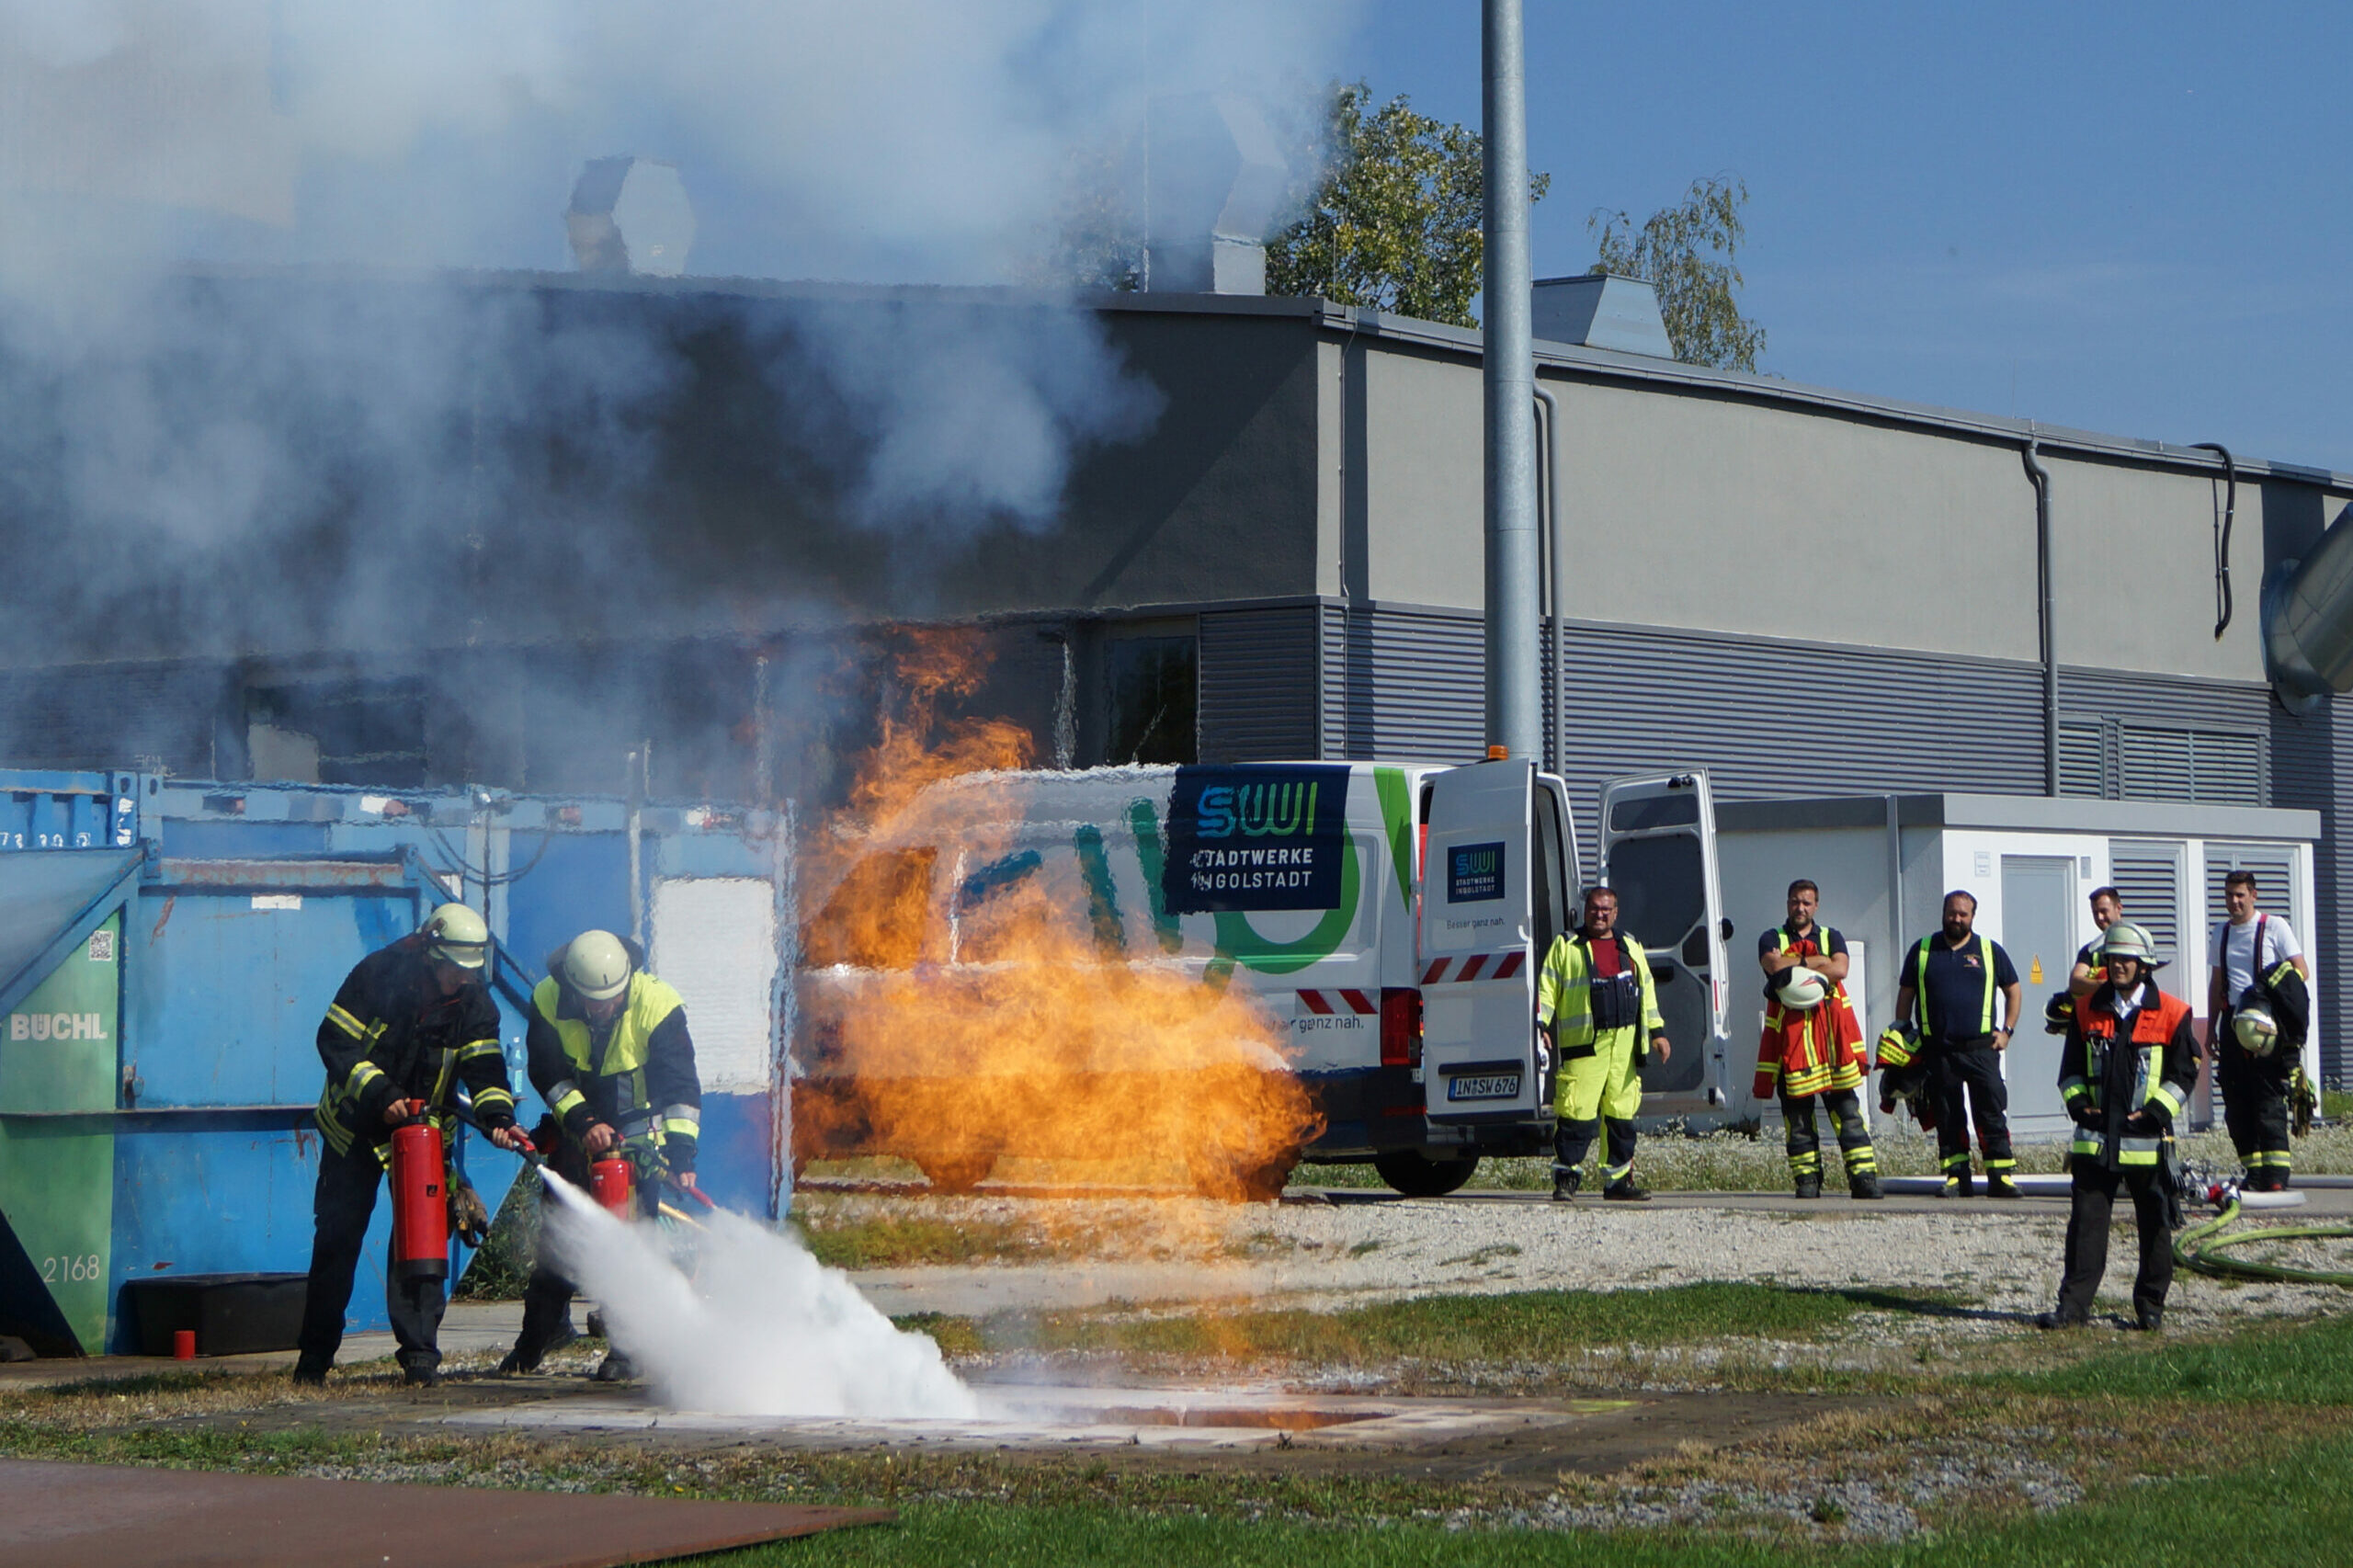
pixel 1391 918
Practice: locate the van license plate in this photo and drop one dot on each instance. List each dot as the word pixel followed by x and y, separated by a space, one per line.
pixel 1495 1086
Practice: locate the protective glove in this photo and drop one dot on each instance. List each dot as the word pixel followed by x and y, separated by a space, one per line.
pixel 2085 1113
pixel 469 1216
pixel 1762 1088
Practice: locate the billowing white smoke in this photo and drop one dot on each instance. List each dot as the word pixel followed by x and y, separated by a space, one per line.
pixel 762 1328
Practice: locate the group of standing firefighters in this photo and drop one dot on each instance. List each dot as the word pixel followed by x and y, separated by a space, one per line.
pixel 2128 1066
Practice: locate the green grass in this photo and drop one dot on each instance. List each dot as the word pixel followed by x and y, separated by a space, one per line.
pixel 1519 1327
pixel 2294 1509
pixel 2300 1364
pixel 900 1241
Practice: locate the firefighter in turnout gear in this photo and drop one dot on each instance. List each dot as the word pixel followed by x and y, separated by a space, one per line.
pixel 2125 1072
pixel 1812 1046
pixel 1598 1007
pixel 412 1024
pixel 609 1053
pixel 1949 982
pixel 2260 973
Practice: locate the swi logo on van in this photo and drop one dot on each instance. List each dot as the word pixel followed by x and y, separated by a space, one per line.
pixel 1249 838
pixel 1474 872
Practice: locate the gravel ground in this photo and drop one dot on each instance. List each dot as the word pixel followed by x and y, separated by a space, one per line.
pixel 2003 1263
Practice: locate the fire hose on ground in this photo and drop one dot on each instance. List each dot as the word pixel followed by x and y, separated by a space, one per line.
pixel 2200 1247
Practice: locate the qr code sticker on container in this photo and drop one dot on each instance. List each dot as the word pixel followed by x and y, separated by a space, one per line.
pixel 102 947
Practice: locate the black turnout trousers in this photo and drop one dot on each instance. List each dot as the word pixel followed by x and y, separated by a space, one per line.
pixel 2087 1224
pixel 341 1206
pixel 1967 1075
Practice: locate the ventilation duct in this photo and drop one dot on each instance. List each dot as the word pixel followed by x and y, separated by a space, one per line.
pixel 2308 621
pixel 631 215
pixel 1601 309
pixel 1215 179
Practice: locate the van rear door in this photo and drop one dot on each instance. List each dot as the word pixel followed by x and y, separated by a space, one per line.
pixel 1492 893
pixel 1659 853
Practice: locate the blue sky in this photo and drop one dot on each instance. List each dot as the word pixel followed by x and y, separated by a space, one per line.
pixel 2128 219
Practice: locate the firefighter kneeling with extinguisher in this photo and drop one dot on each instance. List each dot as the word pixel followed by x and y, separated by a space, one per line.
pixel 609 1053
pixel 412 1022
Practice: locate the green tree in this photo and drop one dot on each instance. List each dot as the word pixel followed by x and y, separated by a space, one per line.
pixel 1688 251
pixel 1392 222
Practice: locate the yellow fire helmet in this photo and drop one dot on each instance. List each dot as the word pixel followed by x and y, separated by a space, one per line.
pixel 597 965
pixel 455 934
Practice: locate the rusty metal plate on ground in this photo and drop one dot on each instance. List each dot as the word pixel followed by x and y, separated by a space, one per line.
pixel 53 1514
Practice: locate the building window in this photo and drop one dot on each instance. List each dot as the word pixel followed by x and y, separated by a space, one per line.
pixel 338 731
pixel 1156 699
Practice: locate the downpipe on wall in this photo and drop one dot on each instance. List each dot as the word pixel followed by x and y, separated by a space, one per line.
pixel 2046 618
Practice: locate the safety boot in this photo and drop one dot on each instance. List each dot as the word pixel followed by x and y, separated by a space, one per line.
pixel 2060 1320
pixel 1623 1190
pixel 1565 1183
pixel 1864 1184
pixel 310 1373
pixel 516 1364
pixel 1960 1187
pixel 419 1372
pixel 1810 1184
pixel 2149 1322
pixel 2002 1186
pixel 615 1368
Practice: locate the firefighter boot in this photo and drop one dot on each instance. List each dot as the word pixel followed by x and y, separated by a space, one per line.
pixel 1960 1187
pixel 1998 1186
pixel 1623 1190
pixel 1566 1179
pixel 1864 1184
pixel 1810 1184
pixel 616 1368
pixel 310 1373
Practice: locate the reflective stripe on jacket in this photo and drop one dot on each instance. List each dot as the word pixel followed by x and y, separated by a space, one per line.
pixel 1564 993
pixel 2152 1071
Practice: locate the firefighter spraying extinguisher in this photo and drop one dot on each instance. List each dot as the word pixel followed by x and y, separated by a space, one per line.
pixel 411 1026
pixel 610 1054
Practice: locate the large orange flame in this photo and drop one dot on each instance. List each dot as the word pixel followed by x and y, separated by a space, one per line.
pixel 954 1036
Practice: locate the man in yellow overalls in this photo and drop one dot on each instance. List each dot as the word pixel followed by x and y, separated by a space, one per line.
pixel 1598 1007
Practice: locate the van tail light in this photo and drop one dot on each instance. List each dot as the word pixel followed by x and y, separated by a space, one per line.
pixel 1401 1027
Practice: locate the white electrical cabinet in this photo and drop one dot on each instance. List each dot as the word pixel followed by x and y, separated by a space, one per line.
pixel 1885 862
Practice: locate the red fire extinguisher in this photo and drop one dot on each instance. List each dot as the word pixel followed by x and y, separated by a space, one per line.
pixel 614 1184
pixel 420 1203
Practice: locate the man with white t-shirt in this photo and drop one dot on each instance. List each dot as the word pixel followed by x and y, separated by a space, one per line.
pixel 2252 948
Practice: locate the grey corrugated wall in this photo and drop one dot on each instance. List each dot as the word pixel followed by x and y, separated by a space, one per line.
pixel 1404 685
pixel 1259 684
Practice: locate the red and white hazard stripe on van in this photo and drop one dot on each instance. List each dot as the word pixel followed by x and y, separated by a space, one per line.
pixel 1325 1004
pixel 1474 966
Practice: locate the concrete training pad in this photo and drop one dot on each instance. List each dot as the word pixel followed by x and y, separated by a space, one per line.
pixel 180 1518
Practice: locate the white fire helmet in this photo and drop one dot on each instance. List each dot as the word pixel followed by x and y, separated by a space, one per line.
pixel 597 965
pixel 455 934
pixel 2257 1031
pixel 1803 989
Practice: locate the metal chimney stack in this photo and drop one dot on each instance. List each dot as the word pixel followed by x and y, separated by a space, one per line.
pixel 631 215
pixel 1514 700
pixel 1215 178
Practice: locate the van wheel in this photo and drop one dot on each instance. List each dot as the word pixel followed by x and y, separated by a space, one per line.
pixel 1415 1174
pixel 953 1173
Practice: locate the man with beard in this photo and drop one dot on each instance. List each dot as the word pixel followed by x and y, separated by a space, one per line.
pixel 1950 980
pixel 1598 1003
